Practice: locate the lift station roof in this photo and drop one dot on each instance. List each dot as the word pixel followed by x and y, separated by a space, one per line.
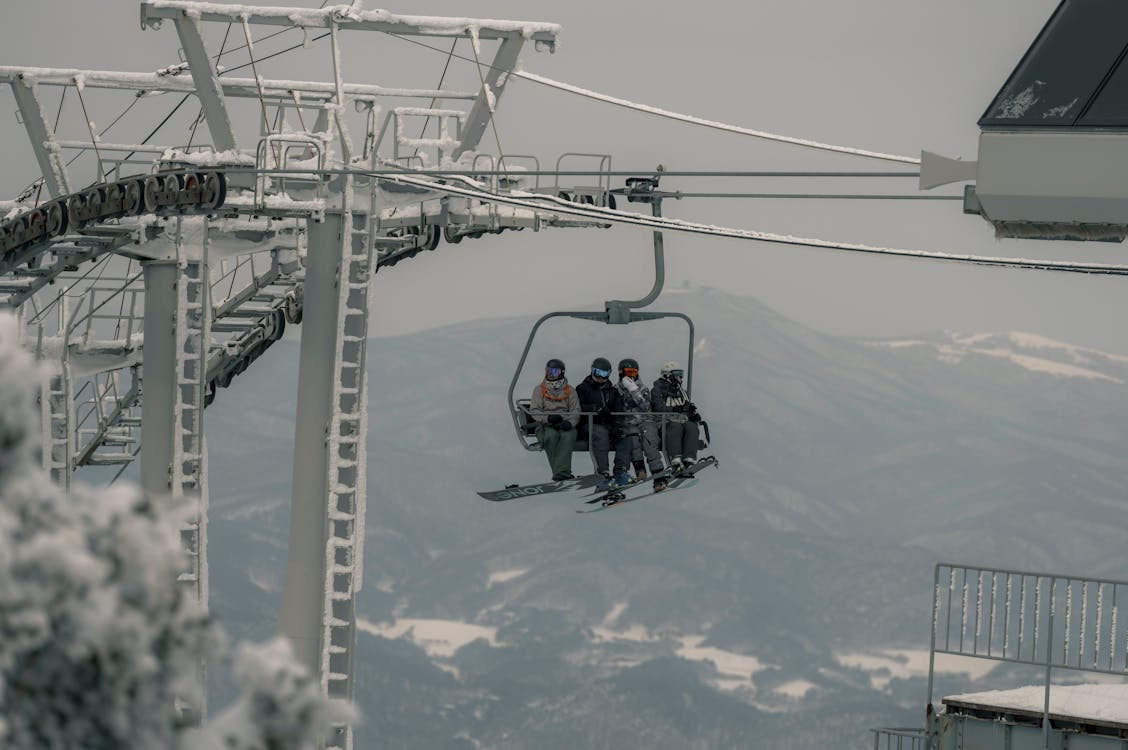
pixel 1073 76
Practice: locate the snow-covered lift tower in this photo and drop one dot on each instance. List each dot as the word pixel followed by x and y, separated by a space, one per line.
pixel 1053 146
pixel 150 288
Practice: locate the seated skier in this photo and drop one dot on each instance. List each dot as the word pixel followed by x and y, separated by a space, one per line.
pixel 679 417
pixel 599 398
pixel 639 428
pixel 556 409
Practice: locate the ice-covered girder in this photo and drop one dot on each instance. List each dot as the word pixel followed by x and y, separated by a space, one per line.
pixel 349 19
pixel 243 88
pixel 493 84
pixel 42 138
pixel 206 77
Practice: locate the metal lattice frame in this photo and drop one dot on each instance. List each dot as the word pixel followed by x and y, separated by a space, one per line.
pixel 144 322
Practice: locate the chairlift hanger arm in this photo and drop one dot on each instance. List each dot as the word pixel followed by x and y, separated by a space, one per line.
pixel 643 189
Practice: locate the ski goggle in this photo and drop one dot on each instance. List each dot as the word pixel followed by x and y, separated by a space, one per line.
pixel 553 373
pixel 676 374
pixel 630 372
pixel 600 373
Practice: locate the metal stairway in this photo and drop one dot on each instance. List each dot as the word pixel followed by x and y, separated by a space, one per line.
pixel 346 460
pixel 188 470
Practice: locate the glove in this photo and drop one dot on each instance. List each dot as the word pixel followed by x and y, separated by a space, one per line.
pixel 564 426
pixel 691 411
pixel 628 384
pixel 554 420
pixel 603 416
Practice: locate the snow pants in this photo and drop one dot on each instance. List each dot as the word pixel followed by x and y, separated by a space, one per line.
pixel 602 440
pixel 558 445
pixel 645 445
pixel 682 439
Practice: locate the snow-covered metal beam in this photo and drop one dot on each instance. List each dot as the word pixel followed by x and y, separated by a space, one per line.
pixel 312 91
pixel 350 19
pixel 42 138
pixel 493 84
pixel 206 77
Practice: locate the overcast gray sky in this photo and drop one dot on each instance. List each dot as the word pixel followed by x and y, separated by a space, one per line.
pixel 887 75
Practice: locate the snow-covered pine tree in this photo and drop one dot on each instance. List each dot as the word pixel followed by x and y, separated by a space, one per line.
pixel 96 638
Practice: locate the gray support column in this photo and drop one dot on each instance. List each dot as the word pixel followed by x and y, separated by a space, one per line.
pixel 318 612
pixel 158 377
pixel 208 87
pixel 173 459
pixel 300 616
pixel 50 162
pixel 496 76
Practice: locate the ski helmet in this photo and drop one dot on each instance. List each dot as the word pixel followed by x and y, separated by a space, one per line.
pixel 628 363
pixel 672 370
pixel 554 369
pixel 601 366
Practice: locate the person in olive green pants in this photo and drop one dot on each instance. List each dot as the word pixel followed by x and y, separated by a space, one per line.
pixel 556 409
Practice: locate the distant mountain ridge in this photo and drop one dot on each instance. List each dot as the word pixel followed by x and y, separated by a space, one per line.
pixel 1029 351
pixel 733 614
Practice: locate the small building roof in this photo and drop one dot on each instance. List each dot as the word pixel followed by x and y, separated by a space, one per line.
pixel 1073 76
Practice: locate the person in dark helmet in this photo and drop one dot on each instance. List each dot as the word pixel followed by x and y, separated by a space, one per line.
pixel 556 408
pixel 639 428
pixel 598 396
pixel 679 416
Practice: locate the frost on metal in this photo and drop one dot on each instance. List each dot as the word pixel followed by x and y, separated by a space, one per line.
pixel 1014 107
pixel 97 643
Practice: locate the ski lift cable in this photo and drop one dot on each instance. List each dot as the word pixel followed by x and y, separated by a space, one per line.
pixel 537 202
pixel 678 195
pixel 690 119
pixel 693 120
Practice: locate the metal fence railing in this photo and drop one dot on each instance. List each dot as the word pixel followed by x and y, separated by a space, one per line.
pixel 1040 619
pixel 899 739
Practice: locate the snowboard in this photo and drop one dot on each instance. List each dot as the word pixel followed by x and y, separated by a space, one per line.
pixel 516 491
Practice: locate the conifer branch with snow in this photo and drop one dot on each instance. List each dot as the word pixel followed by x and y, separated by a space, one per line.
pixel 97 640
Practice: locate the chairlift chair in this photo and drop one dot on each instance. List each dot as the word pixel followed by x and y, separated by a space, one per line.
pixel 616 312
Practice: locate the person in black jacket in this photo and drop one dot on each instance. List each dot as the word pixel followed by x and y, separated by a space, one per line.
pixel 599 397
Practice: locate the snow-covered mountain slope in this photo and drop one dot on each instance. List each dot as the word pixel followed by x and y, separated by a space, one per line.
pixel 733 614
pixel 1026 350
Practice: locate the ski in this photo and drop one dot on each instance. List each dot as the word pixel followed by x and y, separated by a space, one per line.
pixel 599 495
pixel 678 483
pixel 515 491
pixel 687 478
pixel 704 463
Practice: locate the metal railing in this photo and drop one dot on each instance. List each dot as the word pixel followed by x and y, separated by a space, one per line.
pixel 1039 619
pixel 899 739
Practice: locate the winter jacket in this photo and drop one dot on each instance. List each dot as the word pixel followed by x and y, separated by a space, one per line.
pixel 667 396
pixel 596 397
pixel 555 396
pixel 636 401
